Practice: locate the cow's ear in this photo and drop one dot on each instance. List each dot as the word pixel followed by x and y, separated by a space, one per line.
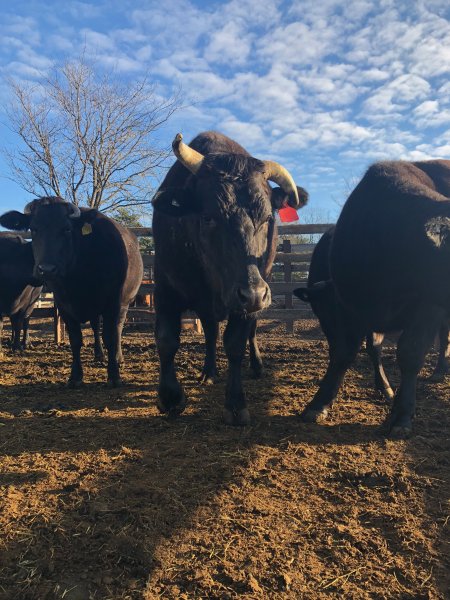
pixel 15 220
pixel 176 202
pixel 87 216
pixel 281 199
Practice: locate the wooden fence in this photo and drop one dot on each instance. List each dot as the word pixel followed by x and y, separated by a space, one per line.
pixel 290 270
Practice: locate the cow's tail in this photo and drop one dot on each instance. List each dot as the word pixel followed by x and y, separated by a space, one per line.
pixel 309 293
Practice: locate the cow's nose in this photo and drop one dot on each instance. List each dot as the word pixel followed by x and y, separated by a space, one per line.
pixel 254 298
pixel 46 269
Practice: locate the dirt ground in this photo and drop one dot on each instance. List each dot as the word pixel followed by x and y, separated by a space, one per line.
pixel 103 498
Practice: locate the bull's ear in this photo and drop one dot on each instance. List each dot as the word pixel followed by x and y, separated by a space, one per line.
pixel 87 215
pixel 176 202
pixel 281 199
pixel 15 220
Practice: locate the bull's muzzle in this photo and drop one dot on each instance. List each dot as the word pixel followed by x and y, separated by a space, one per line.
pixel 254 298
pixel 46 270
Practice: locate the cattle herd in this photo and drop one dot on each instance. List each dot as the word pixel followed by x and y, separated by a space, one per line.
pixel 384 267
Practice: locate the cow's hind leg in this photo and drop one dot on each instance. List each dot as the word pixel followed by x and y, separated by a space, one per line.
pixel 26 333
pixel 343 348
pixel 112 337
pixel 99 355
pixel 16 326
pixel 76 342
pixel 255 357
pixel 374 345
pixel 211 331
pixel 443 365
pixel 235 341
pixel 412 346
pixel 167 333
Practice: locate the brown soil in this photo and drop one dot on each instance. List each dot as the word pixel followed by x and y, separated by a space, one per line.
pixel 103 498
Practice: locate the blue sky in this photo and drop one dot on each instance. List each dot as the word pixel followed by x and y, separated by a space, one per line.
pixel 324 87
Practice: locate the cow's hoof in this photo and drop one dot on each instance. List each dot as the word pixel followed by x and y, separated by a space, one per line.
pixel 236 417
pixel 74 384
pixel 114 383
pixel 99 360
pixel 389 393
pixel 172 411
pixel 400 432
pixel 171 399
pixel 257 370
pixel 207 378
pixel 437 377
pixel 310 415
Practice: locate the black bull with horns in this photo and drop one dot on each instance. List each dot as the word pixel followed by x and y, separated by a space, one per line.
pixel 215 241
pixel 91 263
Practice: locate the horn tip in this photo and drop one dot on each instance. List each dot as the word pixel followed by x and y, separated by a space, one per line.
pixel 177 139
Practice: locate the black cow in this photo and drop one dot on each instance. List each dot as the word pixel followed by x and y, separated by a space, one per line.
pixel 215 241
pixel 322 296
pixel 19 291
pixel 93 266
pixel 390 264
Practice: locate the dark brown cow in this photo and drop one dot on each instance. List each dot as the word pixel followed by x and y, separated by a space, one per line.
pixel 215 240
pixel 390 265
pixel 93 266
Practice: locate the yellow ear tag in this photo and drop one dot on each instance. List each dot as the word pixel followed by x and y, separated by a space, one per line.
pixel 86 229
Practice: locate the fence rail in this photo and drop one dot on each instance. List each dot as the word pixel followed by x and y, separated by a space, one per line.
pixel 290 270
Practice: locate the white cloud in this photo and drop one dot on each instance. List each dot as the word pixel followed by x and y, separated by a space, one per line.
pixel 229 45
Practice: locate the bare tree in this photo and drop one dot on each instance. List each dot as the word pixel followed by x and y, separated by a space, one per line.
pixel 88 138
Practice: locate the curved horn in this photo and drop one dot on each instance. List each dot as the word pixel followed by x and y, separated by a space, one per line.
pixel 75 213
pixel 29 208
pixel 187 156
pixel 277 173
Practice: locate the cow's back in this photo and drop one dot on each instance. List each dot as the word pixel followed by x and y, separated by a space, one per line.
pixel 381 259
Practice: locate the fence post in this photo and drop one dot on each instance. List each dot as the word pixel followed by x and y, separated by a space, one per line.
pixel 288 279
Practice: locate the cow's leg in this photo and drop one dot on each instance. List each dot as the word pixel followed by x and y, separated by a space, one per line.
pixel 255 356
pixel 26 333
pixel 343 348
pixel 374 345
pixel 443 364
pixel 122 318
pixel 167 334
pixel 235 341
pixel 211 331
pixel 1 335
pixel 16 326
pixel 112 331
pixel 412 346
pixel 99 355
pixel 76 342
